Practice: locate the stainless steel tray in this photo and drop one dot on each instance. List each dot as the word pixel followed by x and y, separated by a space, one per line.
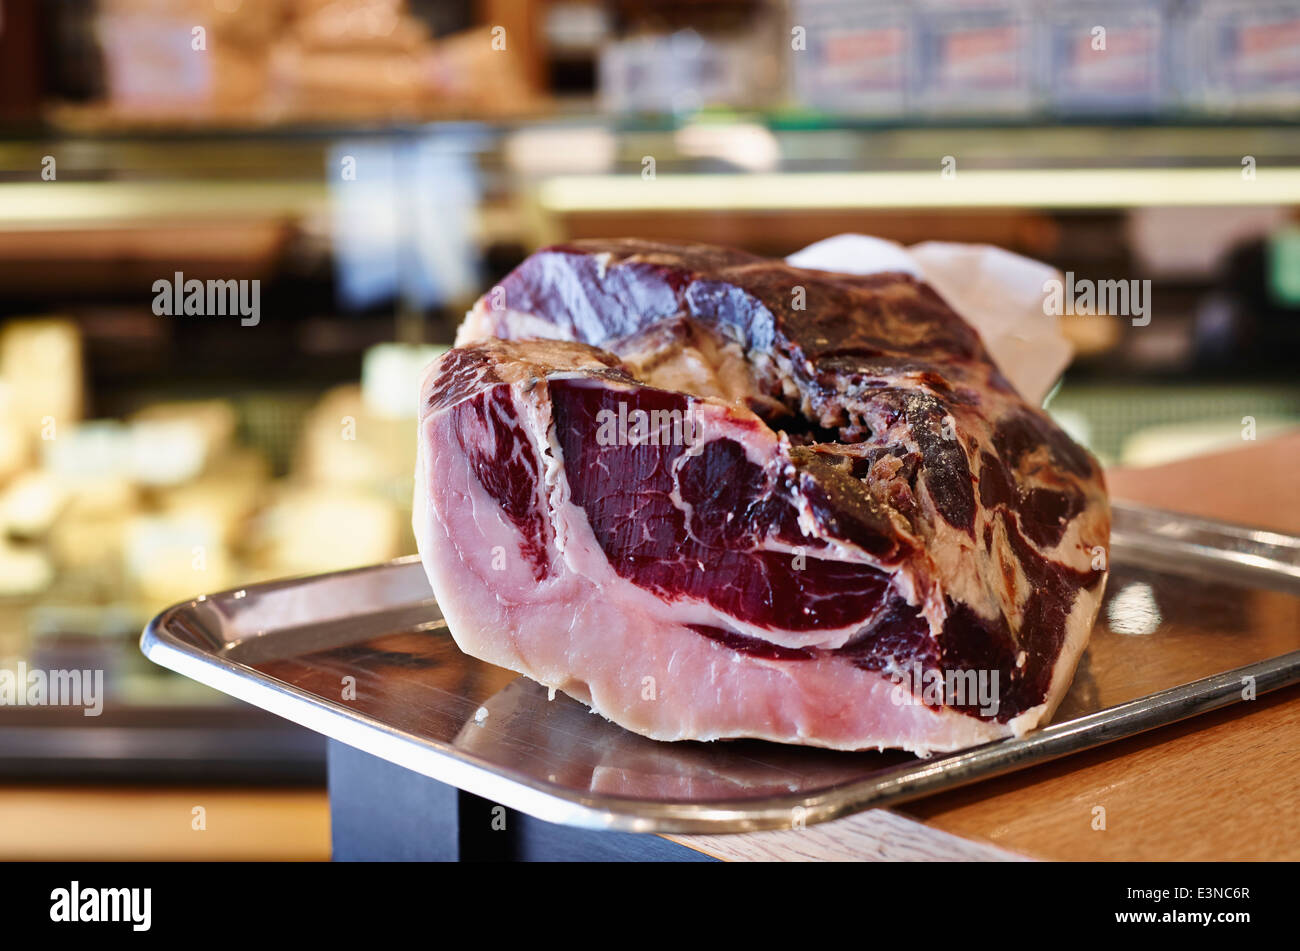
pixel 1195 612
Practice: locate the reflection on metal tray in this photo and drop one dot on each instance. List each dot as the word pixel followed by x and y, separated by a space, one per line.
pixel 1194 611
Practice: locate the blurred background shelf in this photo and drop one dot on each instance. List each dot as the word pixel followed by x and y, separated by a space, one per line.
pixel 376 164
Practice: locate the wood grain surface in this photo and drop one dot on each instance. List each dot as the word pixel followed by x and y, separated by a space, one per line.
pixel 1218 787
pixel 60 823
pixel 1258 484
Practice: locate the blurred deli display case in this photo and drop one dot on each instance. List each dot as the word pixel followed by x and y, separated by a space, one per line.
pixel 233 233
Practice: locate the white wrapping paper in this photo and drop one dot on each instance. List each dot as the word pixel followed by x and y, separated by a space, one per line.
pixel 999 293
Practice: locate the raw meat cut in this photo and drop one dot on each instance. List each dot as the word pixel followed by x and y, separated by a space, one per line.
pixel 712 495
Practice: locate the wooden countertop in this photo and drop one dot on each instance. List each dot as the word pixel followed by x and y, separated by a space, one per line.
pixel 121 823
pixel 1220 786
